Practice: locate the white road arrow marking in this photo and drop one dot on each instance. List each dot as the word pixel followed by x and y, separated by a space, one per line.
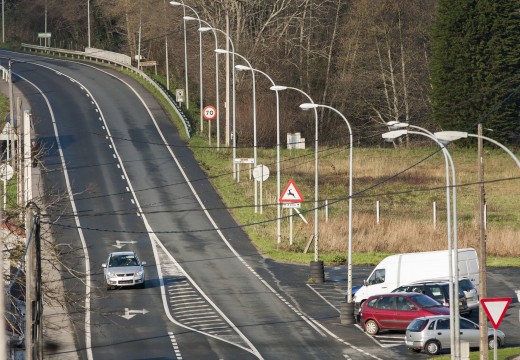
pixel 131 313
pixel 120 244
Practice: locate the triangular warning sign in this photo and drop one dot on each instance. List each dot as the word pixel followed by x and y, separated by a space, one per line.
pixel 291 194
pixel 495 309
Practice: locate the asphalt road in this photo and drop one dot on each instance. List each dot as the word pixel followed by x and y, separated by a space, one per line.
pixel 128 181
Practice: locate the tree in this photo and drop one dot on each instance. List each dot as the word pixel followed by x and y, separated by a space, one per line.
pixel 475 67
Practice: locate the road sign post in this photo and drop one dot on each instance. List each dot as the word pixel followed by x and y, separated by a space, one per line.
pixel 495 309
pixel 209 113
pixel 260 174
pixel 291 198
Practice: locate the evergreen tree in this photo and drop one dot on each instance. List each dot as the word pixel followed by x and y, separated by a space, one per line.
pixel 475 71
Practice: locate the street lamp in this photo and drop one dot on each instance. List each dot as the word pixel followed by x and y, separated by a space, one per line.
pixel 279 205
pixel 176 3
pixel 234 99
pixel 349 268
pixel 453 250
pixel 204 29
pixel 255 157
pixel 450 136
pixel 280 88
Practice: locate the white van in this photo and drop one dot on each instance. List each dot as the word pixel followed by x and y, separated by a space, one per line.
pixel 401 269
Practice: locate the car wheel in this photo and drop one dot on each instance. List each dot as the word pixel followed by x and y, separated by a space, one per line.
pixel 108 287
pixel 491 343
pixel 143 285
pixel 371 327
pixel 432 347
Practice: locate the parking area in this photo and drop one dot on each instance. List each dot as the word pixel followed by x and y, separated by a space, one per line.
pixel 501 282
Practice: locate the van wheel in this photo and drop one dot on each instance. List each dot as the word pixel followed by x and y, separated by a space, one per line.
pixel 491 343
pixel 432 347
pixel 371 327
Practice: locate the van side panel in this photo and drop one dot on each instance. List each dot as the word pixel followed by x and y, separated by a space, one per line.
pixel 402 269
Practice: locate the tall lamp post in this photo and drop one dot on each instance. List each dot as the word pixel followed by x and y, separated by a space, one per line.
pixel 234 98
pixel 255 157
pixel 320 275
pixel 176 3
pixel 453 258
pixel 204 29
pixel 278 205
pixel 307 106
pixel 450 136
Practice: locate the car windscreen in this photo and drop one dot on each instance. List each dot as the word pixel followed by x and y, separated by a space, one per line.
pixel 424 301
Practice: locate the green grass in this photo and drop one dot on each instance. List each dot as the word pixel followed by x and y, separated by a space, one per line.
pixel 502 354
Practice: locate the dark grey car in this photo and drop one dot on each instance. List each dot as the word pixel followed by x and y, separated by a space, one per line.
pixel 437 290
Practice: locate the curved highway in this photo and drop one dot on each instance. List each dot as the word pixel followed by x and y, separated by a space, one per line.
pixel 129 182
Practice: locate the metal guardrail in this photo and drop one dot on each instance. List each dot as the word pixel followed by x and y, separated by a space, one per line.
pixel 89 56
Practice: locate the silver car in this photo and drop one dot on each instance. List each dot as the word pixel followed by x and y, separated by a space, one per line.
pixel 432 334
pixel 124 269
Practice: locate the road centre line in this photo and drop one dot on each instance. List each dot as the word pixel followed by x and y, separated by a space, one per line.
pixel 157 242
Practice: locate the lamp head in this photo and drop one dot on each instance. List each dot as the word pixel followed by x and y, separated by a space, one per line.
pixel 242 67
pixel 446 137
pixel 205 28
pixel 392 135
pixel 278 88
pixel 308 106
pixel 396 125
pixel 221 51
pixel 188 18
pixel 175 3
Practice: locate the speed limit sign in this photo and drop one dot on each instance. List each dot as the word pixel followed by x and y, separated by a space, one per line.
pixel 209 113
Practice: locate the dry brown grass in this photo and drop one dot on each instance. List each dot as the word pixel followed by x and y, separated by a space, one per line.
pixel 406 223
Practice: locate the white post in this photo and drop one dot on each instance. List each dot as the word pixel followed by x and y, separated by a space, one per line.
pixel 377 211
pixel 290 226
pixel 434 215
pixel 485 216
pixel 326 211
pixel 27 155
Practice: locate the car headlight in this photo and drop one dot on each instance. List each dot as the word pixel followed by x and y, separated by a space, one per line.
pixel 111 275
pixel 139 274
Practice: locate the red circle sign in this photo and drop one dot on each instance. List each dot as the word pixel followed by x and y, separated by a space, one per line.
pixel 209 113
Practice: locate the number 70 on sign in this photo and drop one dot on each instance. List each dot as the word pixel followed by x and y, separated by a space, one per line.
pixel 209 113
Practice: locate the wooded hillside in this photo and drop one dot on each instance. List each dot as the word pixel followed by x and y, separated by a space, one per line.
pixel 369 59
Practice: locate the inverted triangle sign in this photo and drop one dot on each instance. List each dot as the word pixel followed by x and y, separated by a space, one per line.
pixel 495 309
pixel 291 194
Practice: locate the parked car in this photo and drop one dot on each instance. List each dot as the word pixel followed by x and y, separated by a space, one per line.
pixel 396 310
pixel 432 334
pixel 438 290
pixel 124 269
pixel 471 293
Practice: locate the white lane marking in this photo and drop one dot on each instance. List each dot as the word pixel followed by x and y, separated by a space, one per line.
pixel 175 346
pixel 152 234
pixel 323 298
pixel 88 334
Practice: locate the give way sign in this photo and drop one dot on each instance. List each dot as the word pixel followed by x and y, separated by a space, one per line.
pixel 495 309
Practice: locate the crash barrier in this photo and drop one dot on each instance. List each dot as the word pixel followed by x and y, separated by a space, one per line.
pixel 98 57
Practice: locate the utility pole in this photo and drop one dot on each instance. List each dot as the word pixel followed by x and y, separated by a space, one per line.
pixel 482 256
pixel 11 114
pixel 3 340
pixel 34 306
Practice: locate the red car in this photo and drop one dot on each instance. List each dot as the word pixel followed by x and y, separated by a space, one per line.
pixel 396 310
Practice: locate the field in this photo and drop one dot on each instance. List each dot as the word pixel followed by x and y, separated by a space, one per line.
pixel 408 182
